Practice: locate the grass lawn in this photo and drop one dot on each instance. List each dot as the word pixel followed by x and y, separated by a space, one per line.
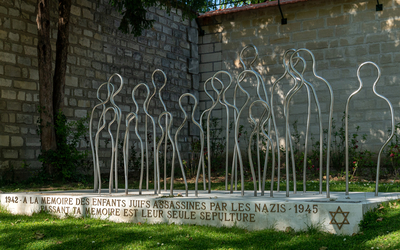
pixel 379 230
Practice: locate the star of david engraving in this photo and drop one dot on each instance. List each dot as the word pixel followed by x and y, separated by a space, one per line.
pixel 339 224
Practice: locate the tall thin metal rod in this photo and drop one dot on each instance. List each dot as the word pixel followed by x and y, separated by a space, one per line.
pixel 102 103
pixel 201 157
pixel 288 140
pixel 237 122
pixel 113 155
pixel 145 104
pixel 166 125
pixel 235 112
pixel 155 167
pixel 222 102
pixel 125 147
pixel 266 106
pixel 255 130
pixel 241 55
pixel 214 102
pixel 286 66
pixel 119 117
pixel 346 122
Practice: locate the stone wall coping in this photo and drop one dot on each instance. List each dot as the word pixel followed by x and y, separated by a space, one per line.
pixel 247 7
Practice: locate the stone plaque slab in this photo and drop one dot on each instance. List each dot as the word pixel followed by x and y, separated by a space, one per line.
pixel 339 214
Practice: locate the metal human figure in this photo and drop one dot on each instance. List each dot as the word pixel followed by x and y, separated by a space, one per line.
pixel 118 118
pixel 96 143
pixel 221 101
pixel 179 129
pixel 346 124
pixel 257 125
pixel 240 78
pixel 167 134
pixel 214 102
pixel 125 147
pixel 288 139
pixel 155 168
pixel 308 86
pixel 261 84
pixel 208 126
pixel 329 122
pixel 286 66
pixel 101 124
pixel 262 126
pixel 145 105
pixel 166 124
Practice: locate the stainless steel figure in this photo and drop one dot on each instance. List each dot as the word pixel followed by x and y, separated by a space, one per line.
pixel 101 124
pixel 167 134
pixel 262 126
pixel 288 138
pixel 118 117
pixel 235 111
pixel 261 84
pixel 214 102
pixel 208 126
pixel 145 104
pixel 329 122
pixel 102 103
pixel 286 66
pixel 96 143
pixel 391 124
pixel 251 46
pixel 166 124
pixel 222 102
pixel 240 78
pixel 308 85
pixel 255 130
pixel 125 147
pixel 156 168
pixel 179 129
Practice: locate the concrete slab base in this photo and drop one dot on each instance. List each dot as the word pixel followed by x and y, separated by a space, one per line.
pixel 340 214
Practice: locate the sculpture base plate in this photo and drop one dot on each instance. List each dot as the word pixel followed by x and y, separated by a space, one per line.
pixel 339 214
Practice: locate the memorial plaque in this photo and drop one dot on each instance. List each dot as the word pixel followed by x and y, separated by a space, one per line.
pixel 337 215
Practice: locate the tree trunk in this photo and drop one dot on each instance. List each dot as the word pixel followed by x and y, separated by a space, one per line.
pixel 64 10
pixel 47 135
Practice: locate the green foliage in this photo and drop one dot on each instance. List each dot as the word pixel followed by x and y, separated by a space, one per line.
pixel 359 159
pixel 7 175
pixel 217 146
pixel 393 152
pixel 67 159
pixel 134 12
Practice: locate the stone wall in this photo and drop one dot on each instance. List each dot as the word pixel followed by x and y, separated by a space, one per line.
pixel 97 50
pixel 342 34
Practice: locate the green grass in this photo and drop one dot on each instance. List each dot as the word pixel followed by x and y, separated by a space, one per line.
pixel 44 231
pixel 335 186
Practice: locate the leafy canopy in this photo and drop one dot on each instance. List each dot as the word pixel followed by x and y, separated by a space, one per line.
pixel 134 19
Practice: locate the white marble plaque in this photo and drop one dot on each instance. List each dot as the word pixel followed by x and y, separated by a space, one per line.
pixel 252 213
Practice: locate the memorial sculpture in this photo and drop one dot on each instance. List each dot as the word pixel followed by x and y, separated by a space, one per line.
pixel 264 127
pixel 347 124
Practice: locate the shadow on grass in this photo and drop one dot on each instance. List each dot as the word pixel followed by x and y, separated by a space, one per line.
pixel 18 232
